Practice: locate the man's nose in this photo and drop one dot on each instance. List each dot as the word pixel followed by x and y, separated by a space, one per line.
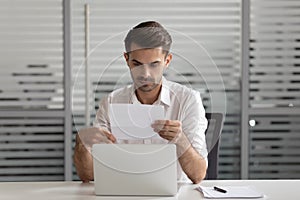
pixel 145 71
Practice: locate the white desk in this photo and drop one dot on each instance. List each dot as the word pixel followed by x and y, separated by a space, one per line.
pixel 273 189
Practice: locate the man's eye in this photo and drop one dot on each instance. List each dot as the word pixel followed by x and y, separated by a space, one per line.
pixel 154 64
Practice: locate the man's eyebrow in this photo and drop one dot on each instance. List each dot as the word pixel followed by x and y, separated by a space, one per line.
pixel 134 60
pixel 157 61
pixel 138 62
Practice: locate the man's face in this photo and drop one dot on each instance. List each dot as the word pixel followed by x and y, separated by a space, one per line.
pixel 147 67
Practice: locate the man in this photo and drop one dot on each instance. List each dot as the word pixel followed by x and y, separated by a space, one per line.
pixel 147 56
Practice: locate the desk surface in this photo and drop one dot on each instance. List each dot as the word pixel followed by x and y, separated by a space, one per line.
pixel 273 189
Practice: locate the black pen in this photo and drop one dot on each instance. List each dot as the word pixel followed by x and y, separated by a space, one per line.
pixel 219 189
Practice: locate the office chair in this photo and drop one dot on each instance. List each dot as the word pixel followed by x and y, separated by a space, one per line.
pixel 212 135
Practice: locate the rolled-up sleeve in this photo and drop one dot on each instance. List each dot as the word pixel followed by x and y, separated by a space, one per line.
pixel 194 123
pixel 102 119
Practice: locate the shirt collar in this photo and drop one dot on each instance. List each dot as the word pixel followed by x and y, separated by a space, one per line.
pixel 164 96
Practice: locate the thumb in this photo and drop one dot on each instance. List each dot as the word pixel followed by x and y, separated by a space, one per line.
pixel 112 138
pixel 109 135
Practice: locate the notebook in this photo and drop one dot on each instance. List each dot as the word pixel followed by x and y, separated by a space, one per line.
pixel 242 192
pixel 135 169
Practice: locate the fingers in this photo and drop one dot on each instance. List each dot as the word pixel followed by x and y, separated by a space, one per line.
pixel 169 138
pixel 167 126
pixel 95 135
pixel 167 129
pixel 167 122
pixel 168 135
pixel 109 135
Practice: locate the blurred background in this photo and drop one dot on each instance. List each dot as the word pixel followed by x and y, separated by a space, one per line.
pixel 242 55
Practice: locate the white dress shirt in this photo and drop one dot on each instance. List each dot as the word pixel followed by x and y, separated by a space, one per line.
pixel 180 103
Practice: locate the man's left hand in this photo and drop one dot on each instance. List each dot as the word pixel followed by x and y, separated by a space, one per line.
pixel 168 129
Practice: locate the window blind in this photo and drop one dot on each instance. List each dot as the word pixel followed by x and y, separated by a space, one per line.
pixel 205 33
pixel 274 89
pixel 31 91
pixel 206 56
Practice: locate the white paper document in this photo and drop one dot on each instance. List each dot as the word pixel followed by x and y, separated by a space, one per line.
pixel 242 192
pixel 133 121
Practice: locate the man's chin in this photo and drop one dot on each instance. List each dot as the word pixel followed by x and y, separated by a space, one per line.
pixel 146 88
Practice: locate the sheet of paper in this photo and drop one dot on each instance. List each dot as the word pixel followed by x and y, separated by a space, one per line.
pixel 232 192
pixel 133 121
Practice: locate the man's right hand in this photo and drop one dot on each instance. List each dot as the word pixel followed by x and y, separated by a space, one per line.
pixel 83 158
pixel 90 136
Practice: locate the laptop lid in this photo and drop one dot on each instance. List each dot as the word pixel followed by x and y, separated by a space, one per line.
pixel 135 169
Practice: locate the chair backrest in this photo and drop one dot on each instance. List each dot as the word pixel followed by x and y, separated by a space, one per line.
pixel 213 134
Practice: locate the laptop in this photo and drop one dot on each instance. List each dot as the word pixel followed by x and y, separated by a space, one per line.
pixel 135 169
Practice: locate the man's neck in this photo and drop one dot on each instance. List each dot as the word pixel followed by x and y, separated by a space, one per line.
pixel 148 97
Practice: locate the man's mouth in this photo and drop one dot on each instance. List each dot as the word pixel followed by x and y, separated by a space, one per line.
pixel 145 82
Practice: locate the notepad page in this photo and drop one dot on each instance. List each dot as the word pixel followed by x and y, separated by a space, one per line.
pixel 232 192
pixel 133 121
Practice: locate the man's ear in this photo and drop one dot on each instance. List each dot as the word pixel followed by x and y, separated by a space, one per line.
pixel 168 60
pixel 126 56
